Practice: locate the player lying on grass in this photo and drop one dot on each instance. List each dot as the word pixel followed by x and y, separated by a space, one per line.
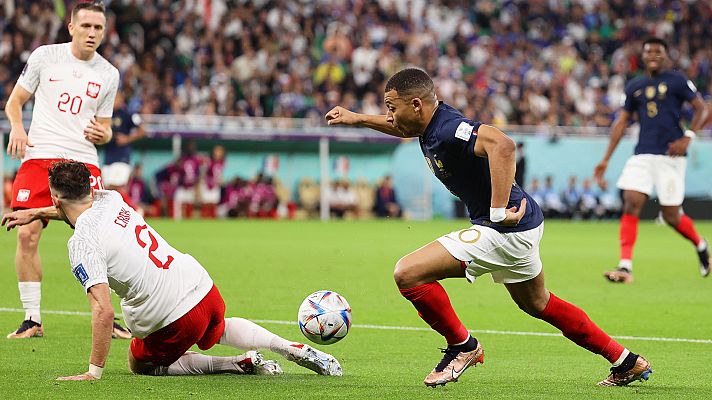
pixel 168 299
pixel 476 162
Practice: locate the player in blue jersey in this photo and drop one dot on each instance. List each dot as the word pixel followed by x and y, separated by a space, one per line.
pixel 117 153
pixel 659 161
pixel 476 162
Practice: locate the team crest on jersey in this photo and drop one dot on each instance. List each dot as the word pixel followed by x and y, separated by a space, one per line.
pixel 23 195
pixel 650 92
pixel 81 274
pixel 93 90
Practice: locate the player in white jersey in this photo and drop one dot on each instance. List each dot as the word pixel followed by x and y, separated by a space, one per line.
pixel 168 299
pixel 74 90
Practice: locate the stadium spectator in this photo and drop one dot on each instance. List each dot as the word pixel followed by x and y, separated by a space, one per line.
pixel 211 187
pixel 571 197
pixel 571 59
pixel 169 308
pixel 477 163
pixel 589 204
pixel 656 99
pixel 74 90
pixel 386 201
pixel 191 167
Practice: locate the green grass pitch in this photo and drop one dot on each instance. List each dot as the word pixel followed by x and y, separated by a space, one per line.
pixel 264 269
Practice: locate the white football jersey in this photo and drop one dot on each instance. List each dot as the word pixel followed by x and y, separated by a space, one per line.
pixel 157 283
pixel 68 93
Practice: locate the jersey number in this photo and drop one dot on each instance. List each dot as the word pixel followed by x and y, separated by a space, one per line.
pixel 69 103
pixel 152 248
pixel 652 109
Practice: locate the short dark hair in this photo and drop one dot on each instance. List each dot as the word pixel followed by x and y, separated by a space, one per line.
pixel 412 82
pixel 91 5
pixel 71 179
pixel 656 40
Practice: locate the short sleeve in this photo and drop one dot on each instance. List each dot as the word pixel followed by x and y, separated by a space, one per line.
pixel 460 135
pixel 627 100
pixel 88 264
pixel 105 108
pixel 30 77
pixel 688 89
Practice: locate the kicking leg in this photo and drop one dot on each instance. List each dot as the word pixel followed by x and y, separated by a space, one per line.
pixel 29 276
pixel 533 298
pixel 244 334
pixel 192 363
pixel 417 276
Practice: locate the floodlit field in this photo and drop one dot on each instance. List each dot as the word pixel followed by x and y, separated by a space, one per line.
pixel 265 268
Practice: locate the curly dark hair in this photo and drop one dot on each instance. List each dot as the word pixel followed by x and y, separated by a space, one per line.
pixel 70 179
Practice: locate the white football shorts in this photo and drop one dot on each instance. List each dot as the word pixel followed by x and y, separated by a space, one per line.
pixel 509 257
pixel 210 195
pixel 116 174
pixel 643 172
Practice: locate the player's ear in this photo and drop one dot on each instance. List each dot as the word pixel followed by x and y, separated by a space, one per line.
pixel 417 104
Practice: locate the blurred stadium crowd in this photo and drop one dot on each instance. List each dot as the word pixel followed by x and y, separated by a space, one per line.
pixel 534 62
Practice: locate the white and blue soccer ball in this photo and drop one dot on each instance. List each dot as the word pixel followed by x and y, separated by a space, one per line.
pixel 324 317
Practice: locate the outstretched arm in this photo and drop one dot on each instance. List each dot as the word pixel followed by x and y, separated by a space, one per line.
pixel 102 319
pixel 617 132
pixel 341 116
pixel 499 149
pixel 24 217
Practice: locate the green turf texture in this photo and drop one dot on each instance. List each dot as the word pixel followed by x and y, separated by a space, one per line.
pixel 264 269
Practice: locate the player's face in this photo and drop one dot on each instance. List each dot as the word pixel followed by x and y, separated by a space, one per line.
pixel 654 56
pixel 87 30
pixel 400 113
pixel 58 205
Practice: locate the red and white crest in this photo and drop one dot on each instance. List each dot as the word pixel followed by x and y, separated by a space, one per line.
pixel 23 195
pixel 93 90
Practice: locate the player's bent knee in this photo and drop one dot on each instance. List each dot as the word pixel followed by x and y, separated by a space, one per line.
pixel 403 274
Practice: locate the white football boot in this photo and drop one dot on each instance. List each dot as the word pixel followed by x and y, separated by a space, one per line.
pixel 313 359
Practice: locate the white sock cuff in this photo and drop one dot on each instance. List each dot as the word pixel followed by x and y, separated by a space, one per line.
pixel 620 359
pixel 30 296
pixel 627 264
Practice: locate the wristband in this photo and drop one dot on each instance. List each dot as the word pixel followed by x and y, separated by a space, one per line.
pixel 690 133
pixel 95 371
pixel 497 214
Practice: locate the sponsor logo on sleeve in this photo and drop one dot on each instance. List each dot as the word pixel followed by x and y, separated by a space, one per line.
pixel 464 131
pixel 81 274
pixel 23 195
pixel 93 90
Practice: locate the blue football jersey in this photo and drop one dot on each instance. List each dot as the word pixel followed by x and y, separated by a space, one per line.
pixel 658 103
pixel 122 123
pixel 448 145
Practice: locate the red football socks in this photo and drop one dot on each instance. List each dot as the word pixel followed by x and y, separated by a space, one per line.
pixel 686 228
pixel 628 233
pixel 578 327
pixel 433 305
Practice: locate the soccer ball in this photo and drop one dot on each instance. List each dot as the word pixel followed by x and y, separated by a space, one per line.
pixel 324 317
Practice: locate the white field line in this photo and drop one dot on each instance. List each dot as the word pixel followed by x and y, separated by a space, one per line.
pixel 410 328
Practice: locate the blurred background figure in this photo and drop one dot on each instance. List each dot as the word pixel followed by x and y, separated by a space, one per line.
pixel 386 201
pixel 520 174
pixel 211 186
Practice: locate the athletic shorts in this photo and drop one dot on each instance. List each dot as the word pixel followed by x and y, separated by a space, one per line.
pixel 210 195
pixel 116 174
pixel 30 189
pixel 509 257
pixel 643 172
pixel 202 325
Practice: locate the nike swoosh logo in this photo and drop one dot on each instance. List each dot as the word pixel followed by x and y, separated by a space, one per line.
pixel 54 80
pixel 456 374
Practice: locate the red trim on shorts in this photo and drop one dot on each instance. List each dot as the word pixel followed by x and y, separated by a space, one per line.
pixel 30 189
pixel 202 325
